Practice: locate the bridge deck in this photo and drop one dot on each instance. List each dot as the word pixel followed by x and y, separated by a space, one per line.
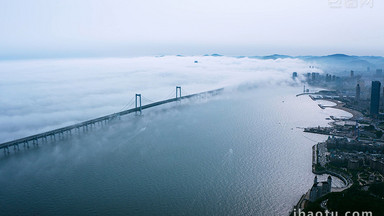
pixel 44 135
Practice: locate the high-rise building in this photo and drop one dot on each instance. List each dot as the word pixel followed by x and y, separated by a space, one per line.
pixel 328 78
pixel 352 73
pixel 357 97
pixel 379 72
pixel 375 98
pixel 294 75
pixel 382 95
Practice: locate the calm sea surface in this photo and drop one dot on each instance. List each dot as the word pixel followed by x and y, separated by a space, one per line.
pixel 241 153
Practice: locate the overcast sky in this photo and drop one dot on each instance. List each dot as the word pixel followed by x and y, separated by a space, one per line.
pixel 73 28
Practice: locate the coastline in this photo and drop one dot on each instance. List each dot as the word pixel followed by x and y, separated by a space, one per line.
pixel 341 106
pixel 347 180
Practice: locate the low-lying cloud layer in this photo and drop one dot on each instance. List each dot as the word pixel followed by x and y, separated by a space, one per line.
pixel 40 95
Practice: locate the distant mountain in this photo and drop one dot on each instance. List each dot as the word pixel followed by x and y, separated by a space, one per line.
pixel 337 63
pixel 214 55
pixel 340 62
pixel 274 57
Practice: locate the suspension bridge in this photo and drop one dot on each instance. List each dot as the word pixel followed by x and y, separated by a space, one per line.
pixel 85 126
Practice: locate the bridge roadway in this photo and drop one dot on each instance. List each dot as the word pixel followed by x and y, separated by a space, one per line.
pixel 43 137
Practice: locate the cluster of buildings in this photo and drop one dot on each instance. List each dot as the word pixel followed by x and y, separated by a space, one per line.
pixel 354 149
pixel 342 83
pixel 357 160
pixel 355 155
pixel 315 77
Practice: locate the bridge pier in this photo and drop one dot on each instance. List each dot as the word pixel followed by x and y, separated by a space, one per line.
pixel 6 150
pixel 35 142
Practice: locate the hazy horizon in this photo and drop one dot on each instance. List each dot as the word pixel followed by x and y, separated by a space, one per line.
pixel 117 28
pixel 64 56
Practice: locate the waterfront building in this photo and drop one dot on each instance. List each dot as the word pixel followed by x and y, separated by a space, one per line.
pixel 379 72
pixel 353 164
pixel 381 167
pixel 314 77
pixel 294 75
pixel 375 98
pixel 383 94
pixel 320 189
pixel 357 97
pixel 376 164
pixel 328 78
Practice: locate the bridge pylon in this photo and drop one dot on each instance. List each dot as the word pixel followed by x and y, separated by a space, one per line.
pixel 136 103
pixel 178 92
